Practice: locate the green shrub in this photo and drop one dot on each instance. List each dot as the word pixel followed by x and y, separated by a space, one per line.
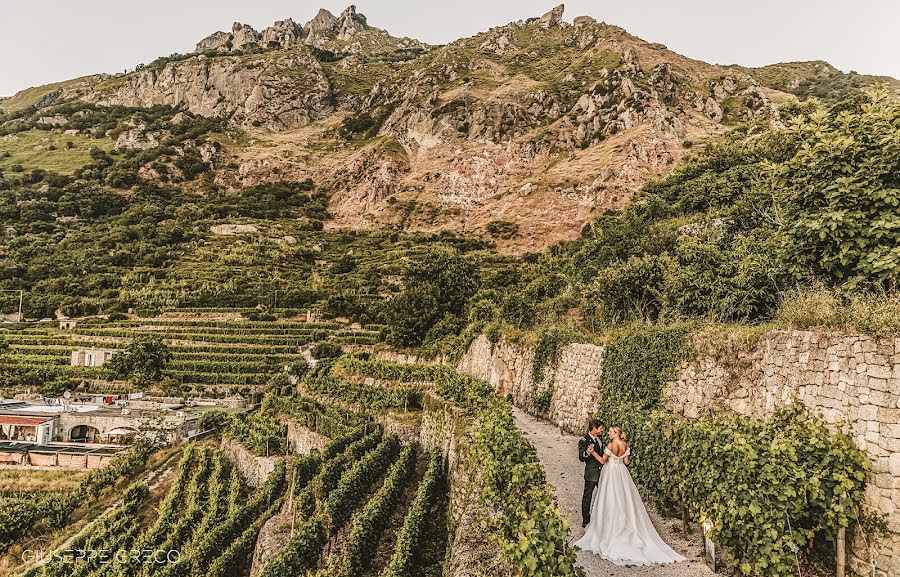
pixel 502 229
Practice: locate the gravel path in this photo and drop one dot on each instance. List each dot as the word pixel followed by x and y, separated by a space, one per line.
pixel 558 453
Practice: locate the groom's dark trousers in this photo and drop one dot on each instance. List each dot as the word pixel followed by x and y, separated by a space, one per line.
pixel 591 473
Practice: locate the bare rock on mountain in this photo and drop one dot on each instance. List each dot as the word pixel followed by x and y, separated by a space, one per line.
pixel 282 34
pixel 265 95
pixel 584 21
pixel 243 36
pixel 367 180
pixel 350 23
pixel 320 28
pixel 55 120
pixel 137 138
pixel 233 229
pixel 552 18
pixel 710 108
pixel 217 42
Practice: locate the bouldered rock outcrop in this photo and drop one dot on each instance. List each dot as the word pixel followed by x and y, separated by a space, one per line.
pixel 243 36
pixel 137 138
pixel 215 42
pixel 225 87
pixel 552 18
pixel 282 34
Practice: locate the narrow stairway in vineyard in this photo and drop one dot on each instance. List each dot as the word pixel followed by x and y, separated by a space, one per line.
pixel 559 456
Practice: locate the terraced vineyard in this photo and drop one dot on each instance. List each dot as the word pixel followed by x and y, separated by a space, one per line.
pixel 226 356
pixel 352 478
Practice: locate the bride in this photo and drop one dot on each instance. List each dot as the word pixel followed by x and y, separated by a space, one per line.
pixel 620 529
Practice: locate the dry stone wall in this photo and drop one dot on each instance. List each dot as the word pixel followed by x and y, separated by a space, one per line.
pixel 851 380
pixel 254 470
pixel 303 440
pixel 507 366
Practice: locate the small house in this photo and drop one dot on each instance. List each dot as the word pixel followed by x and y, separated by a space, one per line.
pixel 68 324
pixel 92 357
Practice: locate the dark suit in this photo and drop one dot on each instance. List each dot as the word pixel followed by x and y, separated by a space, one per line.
pixel 591 472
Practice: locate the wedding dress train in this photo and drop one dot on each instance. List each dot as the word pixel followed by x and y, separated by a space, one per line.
pixel 620 529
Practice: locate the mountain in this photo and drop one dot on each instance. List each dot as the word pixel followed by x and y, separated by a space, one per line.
pixel 518 136
pixel 817 79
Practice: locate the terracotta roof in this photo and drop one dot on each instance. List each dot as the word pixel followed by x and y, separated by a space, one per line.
pixel 23 421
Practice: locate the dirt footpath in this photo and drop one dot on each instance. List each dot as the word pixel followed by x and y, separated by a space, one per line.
pixel 559 455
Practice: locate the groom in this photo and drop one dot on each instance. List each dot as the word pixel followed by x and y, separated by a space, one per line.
pixel 591 465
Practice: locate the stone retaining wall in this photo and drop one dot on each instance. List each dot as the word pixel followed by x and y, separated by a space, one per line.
pixel 254 470
pixel 851 380
pixel 302 440
pixel 508 367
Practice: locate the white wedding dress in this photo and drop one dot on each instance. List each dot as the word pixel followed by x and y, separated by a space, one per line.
pixel 620 529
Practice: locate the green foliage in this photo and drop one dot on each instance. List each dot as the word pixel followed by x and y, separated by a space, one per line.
pixel 547 350
pixel 326 350
pixel 302 552
pixel 639 362
pixel 876 314
pixel 546 354
pixel 366 397
pixel 502 229
pixel 839 195
pixel 22 515
pixel 341 502
pixel 437 282
pixel 214 421
pixel 528 526
pixel 768 488
pixel 143 362
pixel 261 431
pixel 369 523
pixel 402 562
pixel 816 79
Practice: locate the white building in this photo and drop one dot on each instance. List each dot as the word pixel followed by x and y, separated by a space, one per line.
pixel 92 357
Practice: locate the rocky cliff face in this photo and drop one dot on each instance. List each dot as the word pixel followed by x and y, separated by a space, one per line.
pixel 539 123
pixel 279 92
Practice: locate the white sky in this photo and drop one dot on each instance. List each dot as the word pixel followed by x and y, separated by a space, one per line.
pixel 49 40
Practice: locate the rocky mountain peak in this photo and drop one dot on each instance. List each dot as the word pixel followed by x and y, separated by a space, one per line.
pixel 351 23
pixel 282 34
pixel 322 26
pixel 553 18
pixel 243 36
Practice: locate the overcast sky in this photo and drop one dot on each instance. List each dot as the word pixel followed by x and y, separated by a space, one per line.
pixel 50 40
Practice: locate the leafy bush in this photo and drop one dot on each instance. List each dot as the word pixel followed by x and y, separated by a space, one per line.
pixel 502 229
pixel 326 350
pixel 143 362
pixel 839 193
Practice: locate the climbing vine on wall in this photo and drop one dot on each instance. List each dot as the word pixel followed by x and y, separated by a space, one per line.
pixel 546 354
pixel 638 363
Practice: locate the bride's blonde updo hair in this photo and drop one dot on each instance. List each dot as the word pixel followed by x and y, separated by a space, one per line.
pixel 619 431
